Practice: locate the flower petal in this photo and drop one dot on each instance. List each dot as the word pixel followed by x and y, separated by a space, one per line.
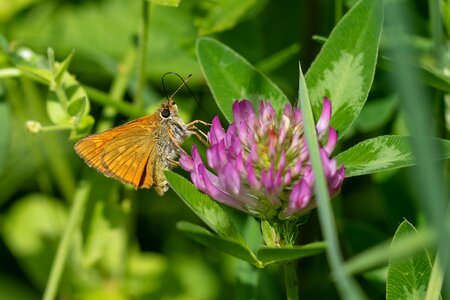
pixel 324 120
pixel 251 178
pixel 332 141
pixel 217 156
pixel 300 195
pixel 216 133
pixel 213 189
pixel 244 113
pixel 186 162
pixel 230 177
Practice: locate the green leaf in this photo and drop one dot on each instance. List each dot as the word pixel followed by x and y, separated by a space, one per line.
pixel 83 128
pixel 384 153
pixel 5 134
pixel 205 208
pixel 74 92
pixel 61 68
pixel 428 74
pixel 275 61
pixel 172 33
pixel 378 255
pixel 56 112
pixel 41 75
pixel 376 114
pixel 172 3
pixel 77 107
pixel 223 15
pixel 11 288
pixel 344 69
pixel 105 238
pixel 347 286
pixel 24 219
pixel 205 237
pixel 4 44
pixel 275 255
pixel 231 78
pixel 408 278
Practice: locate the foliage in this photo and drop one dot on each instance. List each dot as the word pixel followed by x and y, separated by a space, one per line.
pixel 67 230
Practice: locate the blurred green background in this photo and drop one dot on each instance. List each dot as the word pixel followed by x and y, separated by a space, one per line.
pixel 128 247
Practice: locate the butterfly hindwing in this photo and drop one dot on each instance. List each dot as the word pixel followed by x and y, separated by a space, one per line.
pixel 126 156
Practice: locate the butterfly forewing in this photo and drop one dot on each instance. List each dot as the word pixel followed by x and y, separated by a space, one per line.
pixel 122 152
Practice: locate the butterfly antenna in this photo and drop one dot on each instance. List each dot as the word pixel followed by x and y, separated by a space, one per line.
pixel 183 84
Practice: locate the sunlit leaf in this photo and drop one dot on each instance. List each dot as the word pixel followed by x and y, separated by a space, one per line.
pixel 384 153
pixel 408 278
pixel 344 69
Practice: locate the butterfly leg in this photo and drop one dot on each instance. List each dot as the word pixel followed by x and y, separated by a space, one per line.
pixel 196 122
pixel 173 163
pixel 200 135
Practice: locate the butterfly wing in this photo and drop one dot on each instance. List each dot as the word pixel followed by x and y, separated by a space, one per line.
pixel 127 156
pixel 123 152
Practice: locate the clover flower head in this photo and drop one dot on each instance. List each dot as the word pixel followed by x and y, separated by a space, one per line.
pixel 261 164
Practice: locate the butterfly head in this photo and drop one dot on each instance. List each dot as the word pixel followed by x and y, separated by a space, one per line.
pixel 168 110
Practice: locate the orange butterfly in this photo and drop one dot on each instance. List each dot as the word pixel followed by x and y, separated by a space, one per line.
pixel 139 151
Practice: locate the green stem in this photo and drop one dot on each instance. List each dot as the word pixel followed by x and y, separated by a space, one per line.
pixel 282 234
pixel 420 121
pixel 118 89
pixel 9 72
pixel 105 100
pixel 142 57
pixel 290 280
pixel 50 128
pixel 346 285
pixel 59 164
pixel 436 280
pixel 59 91
pixel 16 100
pixel 75 218
pixel 436 27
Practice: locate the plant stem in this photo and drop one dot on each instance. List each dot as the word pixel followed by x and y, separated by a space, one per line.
pixel 75 217
pixel 142 56
pixel 105 100
pixel 282 235
pixel 118 89
pixel 436 280
pixel 434 191
pixel 347 287
pixel 290 280
pixel 59 163
pixel 434 8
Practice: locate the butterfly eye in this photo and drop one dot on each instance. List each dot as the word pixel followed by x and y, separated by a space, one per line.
pixel 165 113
